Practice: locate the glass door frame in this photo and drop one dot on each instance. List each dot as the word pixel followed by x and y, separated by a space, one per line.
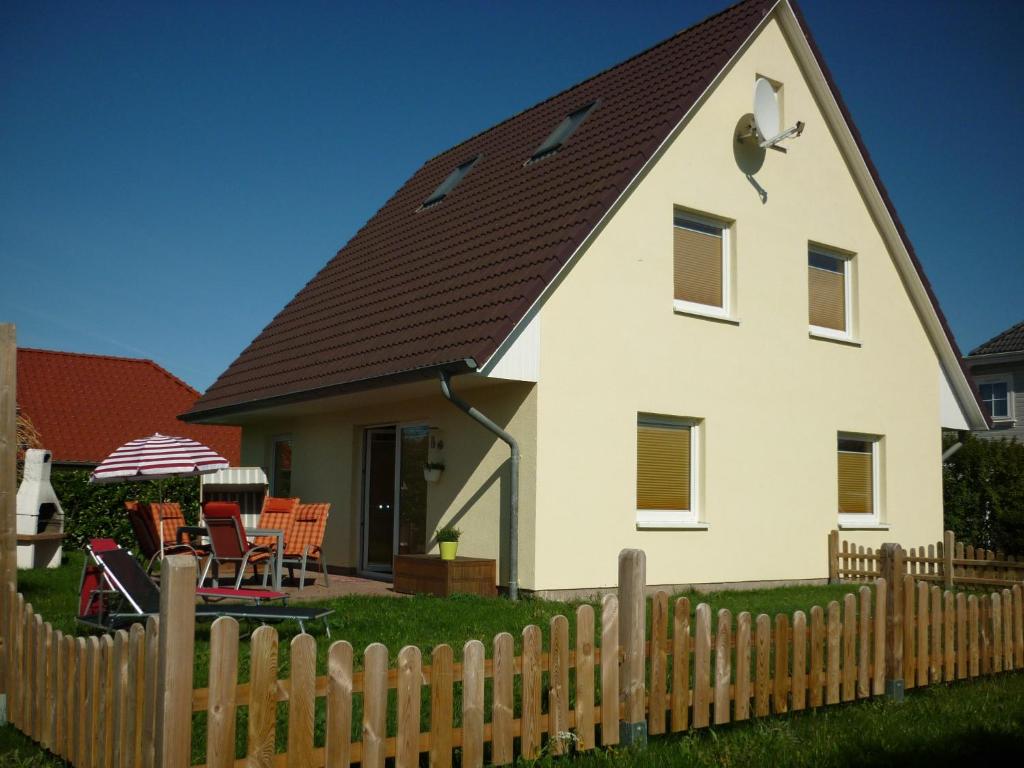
pixel 364 512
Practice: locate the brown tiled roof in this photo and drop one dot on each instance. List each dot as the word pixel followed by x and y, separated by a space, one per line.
pixel 415 291
pixel 86 406
pixel 1010 340
pixel 418 290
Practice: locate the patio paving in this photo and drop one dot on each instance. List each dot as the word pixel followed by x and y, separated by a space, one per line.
pixel 339 586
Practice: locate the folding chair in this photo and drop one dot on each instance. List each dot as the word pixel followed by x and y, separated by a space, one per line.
pixel 140 597
pixel 228 543
pixel 147 534
pixel 277 514
pixel 304 539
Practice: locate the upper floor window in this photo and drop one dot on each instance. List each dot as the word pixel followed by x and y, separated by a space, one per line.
pixel 700 258
pixel 828 293
pixel 996 395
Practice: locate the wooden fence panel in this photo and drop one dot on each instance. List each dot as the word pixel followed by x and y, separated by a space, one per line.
pixel 221 713
pixel 996 613
pixel 148 748
pixel 948 636
pixel 961 636
pixel 338 746
pixel 473 700
pixel 881 597
pixel 780 694
pixel 799 674
pixel 659 664
pixel 1007 603
pixel 832 660
pixel 680 665
pixel 864 643
pixel 442 697
pixel 558 683
pixel 762 678
pixel 121 706
pixel 531 693
pixel 935 668
pixel 973 639
pixel 584 678
pixel 609 670
pixel 743 658
pixel 262 729
pixel 849 674
pixel 702 666
pixel 503 693
pixel 1018 626
pixel 302 698
pixel 817 640
pixel 375 705
pixel 410 685
pixel 909 632
pixel 923 612
pixel 136 688
pixel 723 666
pixel 105 758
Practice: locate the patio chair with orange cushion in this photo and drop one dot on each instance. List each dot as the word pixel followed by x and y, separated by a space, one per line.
pixel 147 534
pixel 276 515
pixel 304 539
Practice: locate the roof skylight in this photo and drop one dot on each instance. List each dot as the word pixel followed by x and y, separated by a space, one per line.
pixel 449 183
pixel 561 134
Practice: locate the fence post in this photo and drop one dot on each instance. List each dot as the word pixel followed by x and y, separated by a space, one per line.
pixel 948 544
pixel 632 624
pixel 891 565
pixel 174 662
pixel 833 557
pixel 8 491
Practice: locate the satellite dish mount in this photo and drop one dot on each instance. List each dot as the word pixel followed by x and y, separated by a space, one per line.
pixel 767 129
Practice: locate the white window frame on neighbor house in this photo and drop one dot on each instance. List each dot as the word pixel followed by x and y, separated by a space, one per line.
pixel 860 521
pixel 675 518
pixel 999 379
pixel 725 312
pixel 849 268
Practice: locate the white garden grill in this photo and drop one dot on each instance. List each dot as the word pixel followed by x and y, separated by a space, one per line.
pixel 246 486
pixel 40 526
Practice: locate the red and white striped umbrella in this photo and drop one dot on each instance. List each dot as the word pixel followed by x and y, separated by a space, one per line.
pixel 156 457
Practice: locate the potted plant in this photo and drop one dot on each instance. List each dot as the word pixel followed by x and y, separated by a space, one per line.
pixel 432 471
pixel 448 540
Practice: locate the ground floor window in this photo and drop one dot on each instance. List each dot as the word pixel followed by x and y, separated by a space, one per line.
pixel 666 471
pixel 858 479
pixel 281 474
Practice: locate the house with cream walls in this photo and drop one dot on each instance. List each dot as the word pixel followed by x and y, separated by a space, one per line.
pixel 706 348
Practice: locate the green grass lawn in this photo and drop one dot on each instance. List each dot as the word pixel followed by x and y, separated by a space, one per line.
pixel 853 734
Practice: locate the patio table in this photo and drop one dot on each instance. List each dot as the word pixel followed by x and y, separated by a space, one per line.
pixel 277 533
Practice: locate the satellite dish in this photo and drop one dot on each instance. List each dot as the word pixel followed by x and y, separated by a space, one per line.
pixel 766 109
pixel 767 128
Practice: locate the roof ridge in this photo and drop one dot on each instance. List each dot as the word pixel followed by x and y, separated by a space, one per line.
pixel 118 358
pixel 586 80
pixel 1013 328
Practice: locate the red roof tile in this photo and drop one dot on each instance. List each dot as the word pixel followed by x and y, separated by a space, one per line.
pixel 85 406
pixel 417 290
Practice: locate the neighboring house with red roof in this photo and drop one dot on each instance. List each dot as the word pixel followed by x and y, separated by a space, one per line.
pixel 86 406
pixel 703 348
pixel 998 369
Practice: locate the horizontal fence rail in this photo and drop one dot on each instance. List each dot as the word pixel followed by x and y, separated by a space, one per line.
pixel 606 678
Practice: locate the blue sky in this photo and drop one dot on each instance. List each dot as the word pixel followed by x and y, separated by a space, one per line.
pixel 173 173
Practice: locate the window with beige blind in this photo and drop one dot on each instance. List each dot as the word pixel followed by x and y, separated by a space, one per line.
pixel 700 259
pixel 857 462
pixel 828 294
pixel 666 471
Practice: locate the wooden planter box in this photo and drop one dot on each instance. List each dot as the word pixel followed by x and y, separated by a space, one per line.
pixel 429 574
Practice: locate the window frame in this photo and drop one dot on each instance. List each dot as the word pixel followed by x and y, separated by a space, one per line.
pixel 1006 380
pixel 681 306
pixel 858 519
pixel 672 518
pixel 849 266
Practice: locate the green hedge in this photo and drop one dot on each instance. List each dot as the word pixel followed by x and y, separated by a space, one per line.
pixel 98 510
pixel 983 487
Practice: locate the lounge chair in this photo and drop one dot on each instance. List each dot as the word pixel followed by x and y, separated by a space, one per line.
pixel 140 597
pixel 228 542
pixel 277 514
pixel 147 534
pixel 304 539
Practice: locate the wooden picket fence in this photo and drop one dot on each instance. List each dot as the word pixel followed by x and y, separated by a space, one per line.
pixel 127 699
pixel 948 562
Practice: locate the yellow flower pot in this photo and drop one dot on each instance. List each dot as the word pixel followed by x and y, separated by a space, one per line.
pixel 448 549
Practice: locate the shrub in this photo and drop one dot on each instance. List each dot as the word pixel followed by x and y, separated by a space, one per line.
pixel 983 491
pixel 98 510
